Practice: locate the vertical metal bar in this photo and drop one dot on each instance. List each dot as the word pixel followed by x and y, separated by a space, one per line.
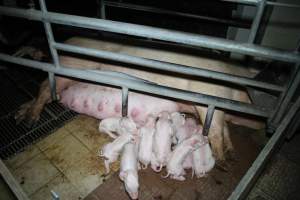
pixel 208 119
pixel 102 9
pixel 281 107
pixel 256 21
pixel 287 99
pixel 124 101
pixel 52 83
pixel 53 51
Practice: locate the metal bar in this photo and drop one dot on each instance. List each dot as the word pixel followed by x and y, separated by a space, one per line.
pixel 208 119
pixel 102 9
pixel 287 99
pixel 293 127
pixel 174 13
pixel 256 21
pixel 124 101
pixel 154 64
pixel 12 182
pixel 247 2
pixel 288 5
pixel 52 83
pixel 155 33
pixel 106 78
pixel 254 171
pixel 53 51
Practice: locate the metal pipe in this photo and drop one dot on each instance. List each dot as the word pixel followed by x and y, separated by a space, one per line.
pixel 124 101
pixel 294 84
pixel 247 2
pixel 155 33
pixel 174 13
pixel 154 64
pixel 147 87
pixel 271 3
pixel 208 119
pixel 256 21
pixel 252 174
pixel 52 83
pixel 102 9
pixel 12 182
pixel 53 51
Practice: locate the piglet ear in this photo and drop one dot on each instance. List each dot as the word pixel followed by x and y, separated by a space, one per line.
pixel 199 129
pixel 122 175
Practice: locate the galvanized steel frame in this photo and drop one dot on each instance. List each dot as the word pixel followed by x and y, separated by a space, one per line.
pixel 127 82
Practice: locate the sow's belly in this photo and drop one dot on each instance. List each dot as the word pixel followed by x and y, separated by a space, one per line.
pixel 103 102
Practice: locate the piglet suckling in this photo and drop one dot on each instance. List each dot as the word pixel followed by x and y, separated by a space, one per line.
pixel 162 139
pixel 186 130
pixel 175 167
pixel 110 152
pixel 129 169
pixel 146 134
pixel 115 126
pixel 127 125
pixel 203 160
pixel 178 120
pixel 110 126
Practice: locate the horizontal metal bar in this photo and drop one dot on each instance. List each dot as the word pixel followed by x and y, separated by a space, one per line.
pixel 174 13
pixel 155 33
pixel 252 174
pixel 269 3
pixel 247 2
pixel 149 63
pixel 287 5
pixel 106 78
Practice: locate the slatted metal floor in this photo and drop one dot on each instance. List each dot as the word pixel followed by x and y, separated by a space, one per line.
pixel 17 86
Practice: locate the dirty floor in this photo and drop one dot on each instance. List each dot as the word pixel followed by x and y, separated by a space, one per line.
pixel 66 162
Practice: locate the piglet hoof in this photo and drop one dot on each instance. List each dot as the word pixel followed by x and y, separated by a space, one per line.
pixel 222 166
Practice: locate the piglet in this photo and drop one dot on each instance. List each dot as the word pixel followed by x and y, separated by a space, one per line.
pixel 110 152
pixel 146 134
pixel 186 130
pixel 203 160
pixel 129 170
pixel 118 125
pixel 162 139
pixel 178 120
pixel 110 125
pixel 127 125
pixel 175 163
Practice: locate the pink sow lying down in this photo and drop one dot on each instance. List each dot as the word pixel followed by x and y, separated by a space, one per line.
pixel 105 102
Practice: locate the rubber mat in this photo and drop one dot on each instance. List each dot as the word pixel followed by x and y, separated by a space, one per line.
pixel 17 86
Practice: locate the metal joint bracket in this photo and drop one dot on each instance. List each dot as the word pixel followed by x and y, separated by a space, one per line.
pixel 124 101
pixel 208 119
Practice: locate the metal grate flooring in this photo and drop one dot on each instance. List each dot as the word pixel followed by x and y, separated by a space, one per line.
pixel 17 86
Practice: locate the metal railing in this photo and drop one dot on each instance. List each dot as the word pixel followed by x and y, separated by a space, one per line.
pixel 131 83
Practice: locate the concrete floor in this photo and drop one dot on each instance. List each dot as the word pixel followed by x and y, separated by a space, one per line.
pixel 65 162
